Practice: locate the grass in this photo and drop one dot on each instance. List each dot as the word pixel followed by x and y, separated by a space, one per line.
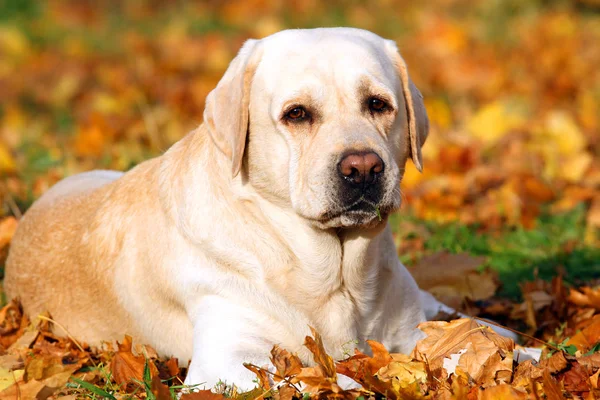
pixel 554 246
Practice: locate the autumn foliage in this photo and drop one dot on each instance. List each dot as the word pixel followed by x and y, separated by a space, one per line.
pixel 460 359
pixel 512 90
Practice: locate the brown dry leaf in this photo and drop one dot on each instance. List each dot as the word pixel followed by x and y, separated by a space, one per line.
pixel 261 374
pixel 23 390
pixel 125 366
pixel 482 354
pixel 202 395
pixel 169 369
pixel 529 370
pixel 356 367
pixel 588 336
pixel 594 379
pixel 39 388
pixel 160 390
pixel 383 373
pixel 12 324
pixel 556 363
pixel 551 388
pixel 576 379
pixel 287 364
pixel 585 297
pixel 452 277
pixel 315 380
pixel 591 362
pixel 321 357
pixel 525 372
pixel 363 368
pixel 287 392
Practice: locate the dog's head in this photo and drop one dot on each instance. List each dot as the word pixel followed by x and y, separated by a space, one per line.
pixel 321 120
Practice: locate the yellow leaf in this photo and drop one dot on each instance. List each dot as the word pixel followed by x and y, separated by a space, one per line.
pixel 564 133
pixel 7 377
pixel 13 42
pixel 7 163
pixel 404 374
pixel 575 167
pixel 494 120
pixel 438 112
pixel 104 103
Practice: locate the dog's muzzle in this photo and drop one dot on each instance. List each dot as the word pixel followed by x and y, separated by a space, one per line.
pixel 361 183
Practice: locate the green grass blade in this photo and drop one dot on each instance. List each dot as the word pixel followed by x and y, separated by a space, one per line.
pixel 93 388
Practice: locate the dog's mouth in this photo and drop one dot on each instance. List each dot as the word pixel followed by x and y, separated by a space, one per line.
pixel 361 213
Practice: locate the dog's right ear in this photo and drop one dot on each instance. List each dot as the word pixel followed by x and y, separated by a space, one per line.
pixel 227 107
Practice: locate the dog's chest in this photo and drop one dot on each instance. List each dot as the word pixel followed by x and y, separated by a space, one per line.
pixel 336 293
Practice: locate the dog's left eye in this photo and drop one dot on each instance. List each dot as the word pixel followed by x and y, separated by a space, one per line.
pixel 377 105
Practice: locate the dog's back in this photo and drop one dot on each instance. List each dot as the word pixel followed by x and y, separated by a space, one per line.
pixel 38 263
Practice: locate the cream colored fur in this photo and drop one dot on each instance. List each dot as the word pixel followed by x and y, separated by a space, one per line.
pixel 223 246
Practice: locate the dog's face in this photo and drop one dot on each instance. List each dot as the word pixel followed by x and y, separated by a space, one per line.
pixel 330 117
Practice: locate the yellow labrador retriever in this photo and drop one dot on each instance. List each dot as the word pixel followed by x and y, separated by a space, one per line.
pixel 267 219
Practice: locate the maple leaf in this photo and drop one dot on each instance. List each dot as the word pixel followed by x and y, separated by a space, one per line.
pixel 552 389
pixel 127 367
pixel 483 355
pixel 287 364
pixel 322 359
pixel 261 374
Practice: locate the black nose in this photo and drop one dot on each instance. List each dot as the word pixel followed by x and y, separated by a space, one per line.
pixel 361 168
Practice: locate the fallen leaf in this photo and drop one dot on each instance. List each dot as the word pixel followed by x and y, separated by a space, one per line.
pixel 552 389
pixel 160 390
pixel 287 364
pixel 126 366
pixel 9 377
pixel 263 378
pixel 485 356
pixel 452 277
pixel 321 357
pixel 585 297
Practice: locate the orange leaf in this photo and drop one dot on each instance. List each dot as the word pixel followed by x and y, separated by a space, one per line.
pixel 551 387
pixel 261 374
pixel 160 390
pixel 8 227
pixel 287 364
pixel 125 366
pixel 321 357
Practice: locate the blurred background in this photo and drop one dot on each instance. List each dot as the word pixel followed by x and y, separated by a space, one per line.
pixel 512 89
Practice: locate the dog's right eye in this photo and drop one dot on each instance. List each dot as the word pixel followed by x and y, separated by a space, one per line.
pixel 297 114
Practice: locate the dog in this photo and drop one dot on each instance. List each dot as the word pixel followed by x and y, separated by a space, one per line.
pixel 268 219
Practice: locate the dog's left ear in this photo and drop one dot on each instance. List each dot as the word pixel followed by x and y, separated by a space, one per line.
pixel 227 106
pixel 418 123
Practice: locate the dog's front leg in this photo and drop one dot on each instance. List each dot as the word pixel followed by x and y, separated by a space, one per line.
pixel 225 336
pixel 228 333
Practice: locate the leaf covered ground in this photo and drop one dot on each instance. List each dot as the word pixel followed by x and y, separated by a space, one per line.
pixel 509 199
